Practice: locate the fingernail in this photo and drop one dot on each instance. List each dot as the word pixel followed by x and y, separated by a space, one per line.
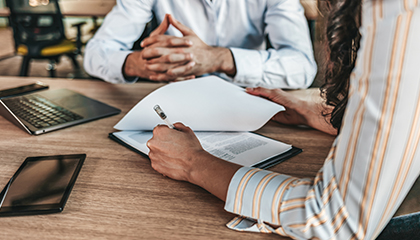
pixel 249 89
pixel 142 44
pixel 189 42
pixel 191 64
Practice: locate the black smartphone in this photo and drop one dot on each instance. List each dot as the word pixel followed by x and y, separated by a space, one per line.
pixel 41 185
pixel 22 89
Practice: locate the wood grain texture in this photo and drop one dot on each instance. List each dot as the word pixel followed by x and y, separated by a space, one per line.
pixel 117 194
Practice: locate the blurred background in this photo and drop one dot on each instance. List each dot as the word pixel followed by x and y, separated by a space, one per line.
pixel 91 13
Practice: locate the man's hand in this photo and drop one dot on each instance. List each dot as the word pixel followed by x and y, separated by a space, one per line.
pixel 173 57
pixel 136 64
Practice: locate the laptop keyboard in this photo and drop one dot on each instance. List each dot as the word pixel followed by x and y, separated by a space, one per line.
pixel 40 112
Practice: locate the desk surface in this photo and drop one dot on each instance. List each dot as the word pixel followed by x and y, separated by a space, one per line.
pixel 82 8
pixel 118 194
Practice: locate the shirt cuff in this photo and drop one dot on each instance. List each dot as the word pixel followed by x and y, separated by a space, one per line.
pixel 255 192
pixel 249 67
pixel 116 63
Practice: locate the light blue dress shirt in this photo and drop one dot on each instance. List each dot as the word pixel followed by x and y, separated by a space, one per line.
pixel 237 24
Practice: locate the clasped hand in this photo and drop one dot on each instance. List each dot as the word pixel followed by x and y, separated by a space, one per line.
pixel 170 58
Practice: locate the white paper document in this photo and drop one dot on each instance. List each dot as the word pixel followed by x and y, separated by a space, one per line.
pixel 203 104
pixel 220 113
pixel 243 148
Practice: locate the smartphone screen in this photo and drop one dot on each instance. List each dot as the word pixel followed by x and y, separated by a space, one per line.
pixel 41 185
pixel 22 89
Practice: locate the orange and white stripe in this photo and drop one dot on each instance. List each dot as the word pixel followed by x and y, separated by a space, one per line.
pixel 375 160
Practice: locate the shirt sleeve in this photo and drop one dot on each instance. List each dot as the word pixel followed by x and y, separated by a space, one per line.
pixel 290 63
pixel 373 162
pixel 106 52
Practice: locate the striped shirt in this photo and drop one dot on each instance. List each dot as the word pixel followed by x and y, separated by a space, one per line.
pixel 373 162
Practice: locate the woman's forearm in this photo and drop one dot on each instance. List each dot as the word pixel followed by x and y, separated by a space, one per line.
pixel 212 174
pixel 178 154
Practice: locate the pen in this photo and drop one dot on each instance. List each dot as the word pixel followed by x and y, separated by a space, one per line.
pixel 163 116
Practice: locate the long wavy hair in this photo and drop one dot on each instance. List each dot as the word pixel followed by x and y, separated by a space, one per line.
pixel 343 41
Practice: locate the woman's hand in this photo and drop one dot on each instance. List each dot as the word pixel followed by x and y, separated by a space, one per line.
pixel 309 110
pixel 174 153
pixel 178 154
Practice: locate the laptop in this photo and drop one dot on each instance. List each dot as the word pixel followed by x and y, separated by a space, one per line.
pixel 49 110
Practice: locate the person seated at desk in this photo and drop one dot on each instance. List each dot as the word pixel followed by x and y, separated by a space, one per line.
pixel 224 37
pixel 373 105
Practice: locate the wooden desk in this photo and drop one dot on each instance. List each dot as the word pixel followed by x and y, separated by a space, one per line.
pixel 117 194
pixel 78 8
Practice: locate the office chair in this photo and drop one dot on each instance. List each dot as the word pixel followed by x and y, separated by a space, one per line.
pixel 38 32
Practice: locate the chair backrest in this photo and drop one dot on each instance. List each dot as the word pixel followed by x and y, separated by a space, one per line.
pixel 36 23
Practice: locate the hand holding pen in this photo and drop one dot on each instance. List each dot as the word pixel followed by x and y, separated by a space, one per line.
pixel 163 116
